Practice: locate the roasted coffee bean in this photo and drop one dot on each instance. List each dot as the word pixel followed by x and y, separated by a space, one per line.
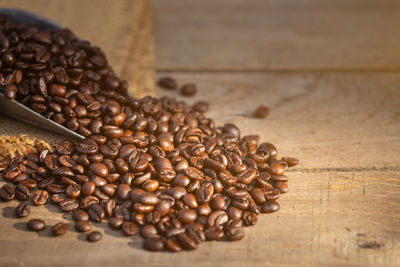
pixel 201 106
pixel 115 222
pixel 129 228
pixel 214 233
pixel 69 204
pixel 249 218
pixel 80 215
pixel 167 83
pixel 21 192
pixel 96 213
pixel 261 111
pixel 153 244
pixel 148 230
pixel 59 229
pixel 94 236
pixel 205 192
pixel 36 225
pixel 217 218
pixel 234 233
pixel 123 191
pixel 270 206
pixel 83 226
pixel 7 193
pixel 291 161
pixel 187 216
pixel 99 169
pixel 22 210
pixel 186 241
pixel 189 89
pixel 40 197
pixel 172 245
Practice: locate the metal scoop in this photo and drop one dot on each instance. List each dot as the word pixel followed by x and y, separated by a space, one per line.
pixel 15 109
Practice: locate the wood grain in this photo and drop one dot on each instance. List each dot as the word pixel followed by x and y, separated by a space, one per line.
pixel 239 35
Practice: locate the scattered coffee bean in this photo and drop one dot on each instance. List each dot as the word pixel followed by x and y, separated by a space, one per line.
pixel 59 229
pixel 189 89
pixel 167 83
pixel 80 215
pixel 154 244
pixel 83 226
pixel 22 210
pixel 262 111
pixel 201 106
pixel 129 228
pixel 94 236
pixel 36 225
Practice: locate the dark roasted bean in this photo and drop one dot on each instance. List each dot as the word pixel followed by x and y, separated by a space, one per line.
pixel 96 213
pixel 22 210
pixel 154 244
pixel 94 236
pixel 167 83
pixel 59 229
pixel 7 193
pixel 115 222
pixel 83 226
pixel 189 89
pixel 80 215
pixel 36 225
pixel 129 228
pixel 270 206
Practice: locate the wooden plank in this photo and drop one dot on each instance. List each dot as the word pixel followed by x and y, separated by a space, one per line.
pixel 327 218
pixel 342 207
pixel 277 34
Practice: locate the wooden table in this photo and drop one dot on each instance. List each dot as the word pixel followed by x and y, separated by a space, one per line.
pixel 329 71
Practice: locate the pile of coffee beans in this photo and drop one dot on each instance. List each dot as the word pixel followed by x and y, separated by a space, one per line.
pixel 157 167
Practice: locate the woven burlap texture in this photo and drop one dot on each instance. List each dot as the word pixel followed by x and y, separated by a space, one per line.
pixel 122 28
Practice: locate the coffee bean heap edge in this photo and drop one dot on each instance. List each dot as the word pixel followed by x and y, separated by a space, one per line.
pixel 157 167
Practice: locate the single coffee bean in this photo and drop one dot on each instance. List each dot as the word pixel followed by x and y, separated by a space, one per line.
pixel 189 89
pixel 214 233
pixel 187 216
pixel 7 193
pixel 40 197
pixel 291 161
pixel 129 228
pixel 261 111
pixel 270 206
pixel 167 83
pixel 99 169
pixel 186 241
pixel 59 229
pixel 172 245
pixel 153 244
pixel 83 226
pixel 201 106
pixel 80 215
pixel 148 230
pixel 22 210
pixel 96 213
pixel 94 236
pixel 36 225
pixel 115 222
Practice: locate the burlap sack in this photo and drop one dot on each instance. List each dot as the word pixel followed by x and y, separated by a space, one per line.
pixel 122 28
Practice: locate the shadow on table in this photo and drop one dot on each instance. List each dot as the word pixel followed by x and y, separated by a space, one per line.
pixel 22 227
